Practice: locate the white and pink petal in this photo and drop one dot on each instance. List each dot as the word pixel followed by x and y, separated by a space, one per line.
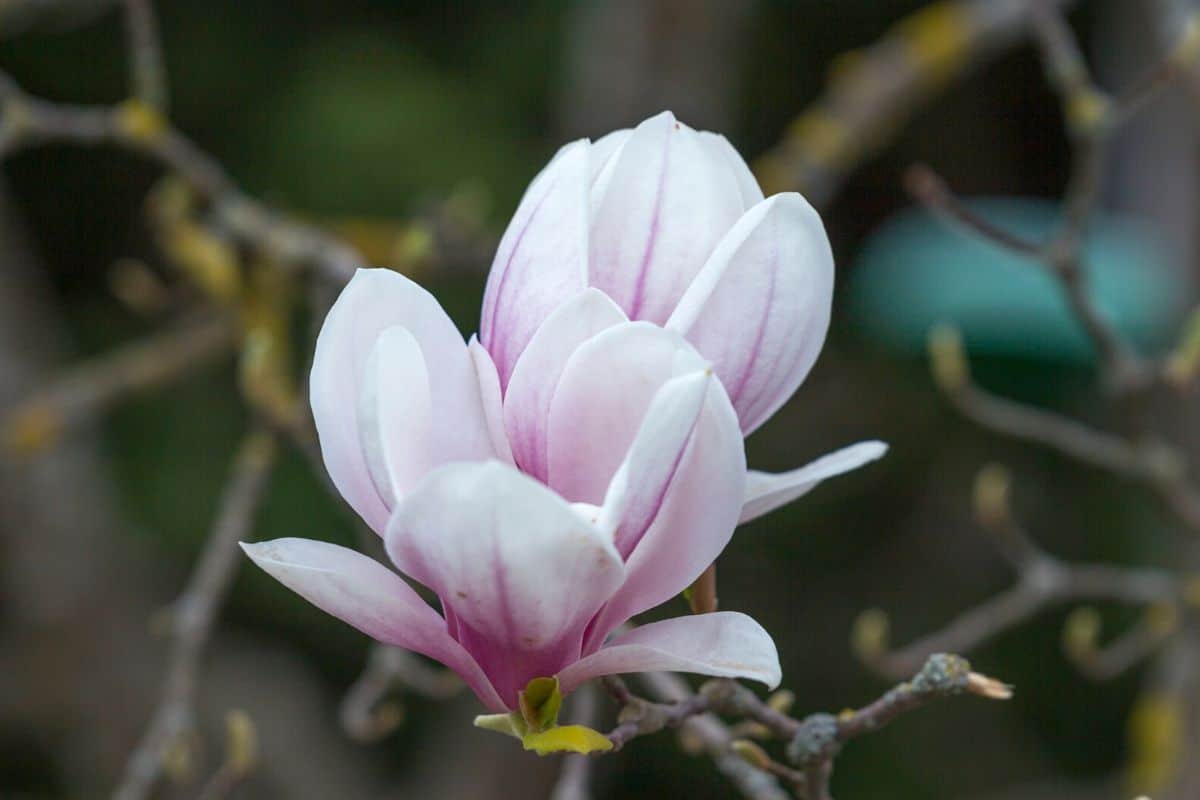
pixel 537 373
pixel 491 398
pixel 604 392
pixel 366 595
pixel 374 301
pixel 542 258
pixel 694 521
pixel 521 571
pixel 767 491
pixel 759 309
pixel 658 212
pixel 723 644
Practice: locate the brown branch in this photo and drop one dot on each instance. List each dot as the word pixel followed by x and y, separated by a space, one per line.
pixel 872 92
pixel 706 733
pixel 1148 86
pixel 194 613
pixel 84 392
pixel 138 128
pixel 1159 465
pixel 1090 116
pixel 1067 436
pixel 812 743
pixel 928 188
pixel 148 76
pixel 820 737
pixel 241 754
pixel 1123 653
pixel 575 774
pixel 640 718
pixel 1042 582
pixel 365 714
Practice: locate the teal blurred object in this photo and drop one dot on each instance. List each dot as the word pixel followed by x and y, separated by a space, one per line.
pixel 916 271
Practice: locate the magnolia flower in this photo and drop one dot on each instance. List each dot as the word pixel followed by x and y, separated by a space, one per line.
pixel 583 461
pixel 670 225
pixel 632 481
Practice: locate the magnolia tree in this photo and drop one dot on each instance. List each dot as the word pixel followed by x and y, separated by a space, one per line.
pixel 581 461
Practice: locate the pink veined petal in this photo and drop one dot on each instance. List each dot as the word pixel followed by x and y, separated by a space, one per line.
pixel 695 519
pixel 658 216
pixel 724 644
pixel 366 595
pixel 721 149
pixel 766 491
pixel 493 405
pixel 760 306
pixel 537 372
pixel 542 258
pixel 602 396
pixel 373 301
pixel 395 416
pixel 641 483
pixel 521 571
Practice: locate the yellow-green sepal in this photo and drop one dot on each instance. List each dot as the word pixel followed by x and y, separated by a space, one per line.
pixel 508 724
pixel 567 739
pixel 536 724
pixel 540 701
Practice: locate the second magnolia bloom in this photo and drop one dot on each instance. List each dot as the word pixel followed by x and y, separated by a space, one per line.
pixel 670 224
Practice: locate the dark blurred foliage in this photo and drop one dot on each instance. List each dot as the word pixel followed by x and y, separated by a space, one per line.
pixel 352 109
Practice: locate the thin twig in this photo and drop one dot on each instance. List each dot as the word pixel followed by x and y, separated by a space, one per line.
pixel 365 715
pixel 1161 466
pixel 1122 654
pixel 931 191
pixel 706 733
pixel 148 76
pixel 83 392
pixel 574 776
pixel 1065 435
pixel 1042 582
pixel 30 121
pixel 872 92
pixel 812 743
pixel 820 737
pixel 193 615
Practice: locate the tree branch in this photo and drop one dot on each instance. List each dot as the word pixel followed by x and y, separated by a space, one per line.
pixel 148 76
pixel 193 615
pixel 83 392
pixel 134 126
pixel 875 90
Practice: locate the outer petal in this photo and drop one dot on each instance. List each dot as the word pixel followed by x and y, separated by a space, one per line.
pixel 605 390
pixel 760 307
pixel 521 571
pixel 721 149
pixel 536 375
pixel 542 258
pixel 365 594
pixel 490 395
pixel 766 492
pixel 395 414
pixel 637 491
pixel 374 300
pixel 663 209
pixel 695 519
pixel 726 644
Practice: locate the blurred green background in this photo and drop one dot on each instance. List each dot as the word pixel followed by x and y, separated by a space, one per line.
pixel 371 111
